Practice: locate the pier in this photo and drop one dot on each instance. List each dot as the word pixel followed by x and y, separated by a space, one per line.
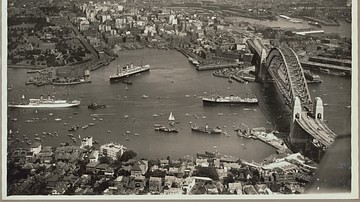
pixel 328 68
pixel 217 66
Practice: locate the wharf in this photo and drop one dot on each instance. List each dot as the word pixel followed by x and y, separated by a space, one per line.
pixel 268 138
pixel 332 61
pixel 323 22
pixel 216 66
pixel 272 140
pixel 329 68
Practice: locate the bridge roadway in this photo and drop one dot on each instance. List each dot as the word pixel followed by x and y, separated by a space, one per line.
pixel 257 46
pixel 317 129
pixel 314 127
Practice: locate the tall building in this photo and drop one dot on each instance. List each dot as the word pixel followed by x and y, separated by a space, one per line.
pixel 111 149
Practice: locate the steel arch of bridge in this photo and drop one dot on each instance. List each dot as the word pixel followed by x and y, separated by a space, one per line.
pixel 284 67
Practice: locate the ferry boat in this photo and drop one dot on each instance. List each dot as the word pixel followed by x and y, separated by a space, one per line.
pixel 313 23
pixel 46 103
pixel 206 129
pixel 230 100
pixel 128 71
pixel 295 21
pixel 194 61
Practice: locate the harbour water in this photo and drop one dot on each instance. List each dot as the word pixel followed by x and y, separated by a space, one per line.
pixel 172 85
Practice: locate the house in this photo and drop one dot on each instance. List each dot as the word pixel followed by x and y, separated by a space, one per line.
pixel 175 162
pixel 21 155
pixel 139 168
pixel 51 181
pixel 202 179
pixel 228 166
pixel 94 156
pixel 109 172
pixel 249 190
pixel 179 172
pixel 60 188
pixel 155 184
pixel 173 191
pixel 202 162
pixel 45 155
pixel 235 188
pixel 121 181
pixel 188 184
pixel 211 188
pixel 67 153
pixel 169 181
pixel 164 162
pixel 262 189
pixel 222 173
pixel 91 167
pixel 139 182
pixel 86 142
pixel 35 148
pixel 101 168
pixel 189 170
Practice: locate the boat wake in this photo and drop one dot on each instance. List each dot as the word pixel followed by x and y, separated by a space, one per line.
pixel 108 114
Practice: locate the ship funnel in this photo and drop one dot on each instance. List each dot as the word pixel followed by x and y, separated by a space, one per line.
pixel 23 97
pixel 41 97
pixel 49 97
pixel 131 65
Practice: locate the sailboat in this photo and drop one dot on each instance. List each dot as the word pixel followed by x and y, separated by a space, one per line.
pixel 171 119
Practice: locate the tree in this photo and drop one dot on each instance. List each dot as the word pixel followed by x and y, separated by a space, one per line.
pixel 127 155
pixel 207 172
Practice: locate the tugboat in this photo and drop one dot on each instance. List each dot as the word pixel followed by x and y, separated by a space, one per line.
pixel 165 129
pixel 206 129
pixel 94 105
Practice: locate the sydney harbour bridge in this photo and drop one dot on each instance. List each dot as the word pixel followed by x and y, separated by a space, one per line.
pixel 280 65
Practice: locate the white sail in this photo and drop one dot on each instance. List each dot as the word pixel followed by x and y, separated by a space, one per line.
pixel 171 117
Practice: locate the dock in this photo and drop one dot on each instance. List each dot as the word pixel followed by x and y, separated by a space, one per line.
pixel 217 66
pixel 328 68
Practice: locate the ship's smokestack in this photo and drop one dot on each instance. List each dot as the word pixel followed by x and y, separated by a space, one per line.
pixel 131 65
pixel 49 97
pixel 41 97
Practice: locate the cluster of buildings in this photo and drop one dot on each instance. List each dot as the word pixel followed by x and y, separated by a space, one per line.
pixel 85 170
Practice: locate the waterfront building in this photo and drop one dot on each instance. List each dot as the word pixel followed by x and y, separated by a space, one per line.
pixel 35 148
pixel 94 156
pixel 111 150
pixel 87 141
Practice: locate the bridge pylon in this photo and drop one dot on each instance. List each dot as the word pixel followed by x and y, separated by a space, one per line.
pixel 318 109
pixel 296 138
pixel 262 66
